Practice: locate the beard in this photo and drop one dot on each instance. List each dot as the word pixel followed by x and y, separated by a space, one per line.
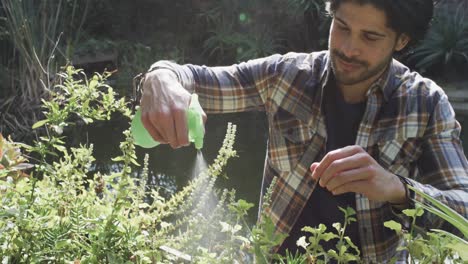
pixel 362 70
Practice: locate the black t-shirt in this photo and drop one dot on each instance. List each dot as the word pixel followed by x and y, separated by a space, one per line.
pixel 342 121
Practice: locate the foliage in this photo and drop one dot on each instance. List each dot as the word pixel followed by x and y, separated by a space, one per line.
pixel 69 215
pixel 76 95
pixel 93 46
pixel 342 254
pixel 12 163
pixel 58 211
pixel 41 35
pixel 443 211
pixel 446 44
pixel 234 34
pixel 436 246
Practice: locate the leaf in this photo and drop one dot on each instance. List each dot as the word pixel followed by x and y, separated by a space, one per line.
pixel 93 83
pixel 244 205
pixel 40 123
pixel 452 236
pixel 328 236
pixel 134 162
pixel 62 244
pixel 393 225
pixel 337 226
pixel 419 248
pixel 118 159
pixel 22 166
pixel 461 249
pixel 87 120
pixel 413 212
pixel 444 212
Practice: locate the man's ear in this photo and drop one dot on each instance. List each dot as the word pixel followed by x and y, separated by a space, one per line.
pixel 402 41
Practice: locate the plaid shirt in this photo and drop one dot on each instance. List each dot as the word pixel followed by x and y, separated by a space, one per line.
pixel 409 127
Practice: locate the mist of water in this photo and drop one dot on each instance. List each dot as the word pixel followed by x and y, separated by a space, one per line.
pixel 200 165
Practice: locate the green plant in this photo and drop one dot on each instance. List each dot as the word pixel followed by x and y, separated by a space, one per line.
pixel 41 35
pixel 446 44
pixel 75 95
pixel 344 246
pixel 69 215
pixel 92 46
pixel 436 246
pixel 315 23
pixel 12 162
pixel 261 44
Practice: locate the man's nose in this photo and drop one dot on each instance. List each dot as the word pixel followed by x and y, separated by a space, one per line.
pixel 351 48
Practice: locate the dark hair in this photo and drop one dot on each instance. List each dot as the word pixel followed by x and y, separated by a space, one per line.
pixel 411 17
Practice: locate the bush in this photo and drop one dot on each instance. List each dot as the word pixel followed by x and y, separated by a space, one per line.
pixel 445 47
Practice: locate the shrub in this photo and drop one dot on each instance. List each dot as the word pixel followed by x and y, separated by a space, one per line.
pixel 445 47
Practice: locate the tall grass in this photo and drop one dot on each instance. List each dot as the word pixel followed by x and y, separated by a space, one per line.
pixel 41 36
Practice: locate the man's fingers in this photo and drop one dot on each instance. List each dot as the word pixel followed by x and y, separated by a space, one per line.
pixel 335 155
pixel 180 124
pixel 360 187
pixel 152 129
pixel 313 166
pixel 345 177
pixel 347 163
pixel 170 132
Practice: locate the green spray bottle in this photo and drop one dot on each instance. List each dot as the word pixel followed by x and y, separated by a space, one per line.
pixel 196 130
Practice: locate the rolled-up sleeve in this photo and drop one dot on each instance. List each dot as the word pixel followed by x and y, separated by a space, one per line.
pixel 237 88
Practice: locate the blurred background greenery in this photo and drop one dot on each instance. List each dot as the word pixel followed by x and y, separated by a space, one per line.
pixel 37 37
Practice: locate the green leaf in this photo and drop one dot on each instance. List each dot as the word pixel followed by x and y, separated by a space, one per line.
pixel 413 212
pixel 328 236
pixel 393 225
pixel 244 205
pixel 62 244
pixel 93 83
pixel 452 236
pixel 22 166
pixel 445 212
pixel 461 249
pixel 40 123
pixel 118 159
pixel 134 162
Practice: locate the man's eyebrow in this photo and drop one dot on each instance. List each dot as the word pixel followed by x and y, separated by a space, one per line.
pixel 371 32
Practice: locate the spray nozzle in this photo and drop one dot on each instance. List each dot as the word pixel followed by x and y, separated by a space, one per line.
pixel 195 122
pixel 196 130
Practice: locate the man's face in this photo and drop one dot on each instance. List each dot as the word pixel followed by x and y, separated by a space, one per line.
pixel 361 45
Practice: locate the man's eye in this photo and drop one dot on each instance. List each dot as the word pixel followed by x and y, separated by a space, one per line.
pixel 342 28
pixel 370 38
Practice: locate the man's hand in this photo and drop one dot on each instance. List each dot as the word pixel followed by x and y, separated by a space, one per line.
pixel 164 105
pixel 351 169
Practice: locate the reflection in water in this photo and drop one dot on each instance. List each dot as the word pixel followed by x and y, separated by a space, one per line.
pixel 162 182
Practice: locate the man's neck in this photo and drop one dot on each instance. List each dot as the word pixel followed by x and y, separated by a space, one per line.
pixel 356 93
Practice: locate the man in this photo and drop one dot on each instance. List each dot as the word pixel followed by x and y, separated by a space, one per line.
pixel 352 118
